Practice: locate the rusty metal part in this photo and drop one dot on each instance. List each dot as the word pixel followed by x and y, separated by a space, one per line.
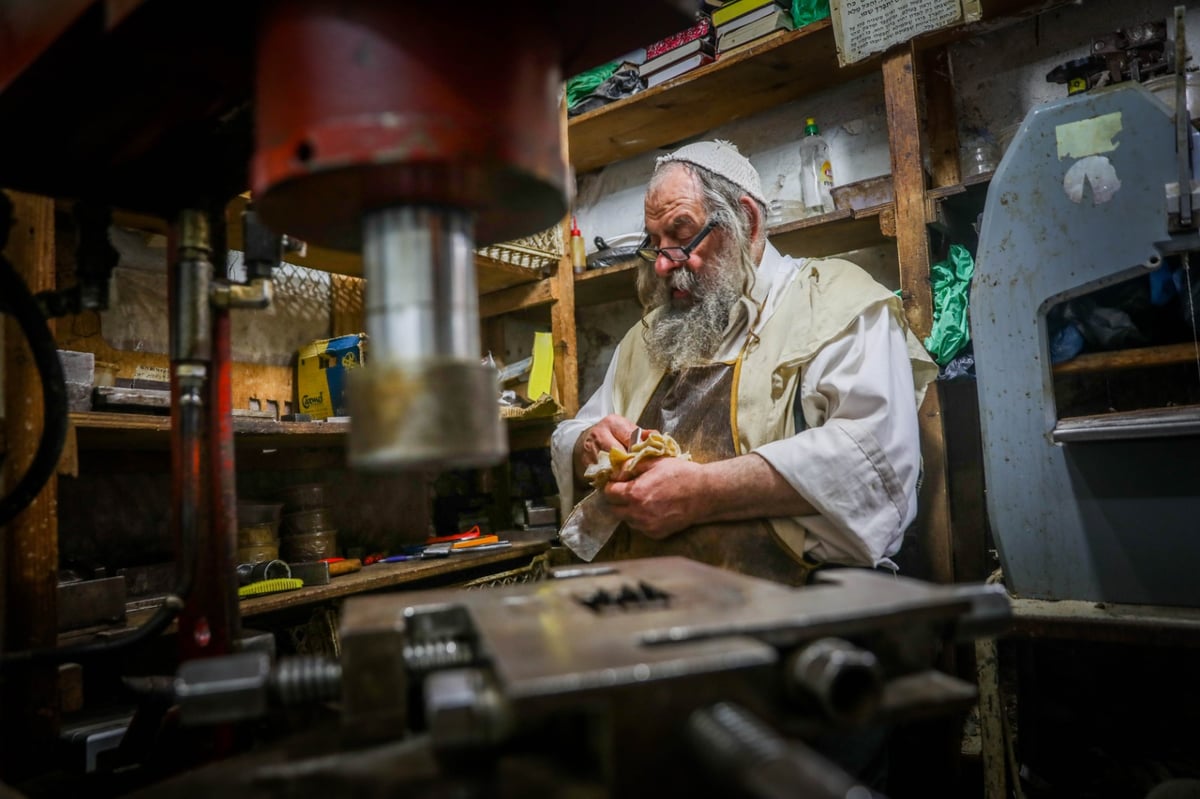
pixel 334 118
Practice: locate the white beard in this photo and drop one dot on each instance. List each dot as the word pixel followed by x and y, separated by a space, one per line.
pixel 688 335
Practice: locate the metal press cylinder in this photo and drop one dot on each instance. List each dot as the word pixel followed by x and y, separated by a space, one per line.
pixel 420 268
pixel 424 399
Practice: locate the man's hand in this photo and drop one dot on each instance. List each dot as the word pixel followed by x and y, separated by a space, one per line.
pixel 667 496
pixel 664 496
pixel 611 431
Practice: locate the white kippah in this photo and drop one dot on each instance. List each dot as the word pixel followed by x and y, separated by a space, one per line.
pixel 721 158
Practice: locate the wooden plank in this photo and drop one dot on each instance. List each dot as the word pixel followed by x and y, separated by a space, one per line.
pixel 831 234
pixel 941 119
pixel 607 285
pixel 517 298
pixel 1121 360
pixel 759 77
pixel 385 576
pixel 1072 619
pixel 908 175
pixel 566 347
pixel 900 81
pixel 29 566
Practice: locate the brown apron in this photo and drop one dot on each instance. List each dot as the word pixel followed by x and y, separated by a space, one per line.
pixel 694 405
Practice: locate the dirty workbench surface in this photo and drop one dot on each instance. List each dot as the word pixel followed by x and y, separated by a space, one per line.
pixel 382 576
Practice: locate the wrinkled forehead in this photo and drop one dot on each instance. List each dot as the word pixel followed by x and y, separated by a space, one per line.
pixel 674 194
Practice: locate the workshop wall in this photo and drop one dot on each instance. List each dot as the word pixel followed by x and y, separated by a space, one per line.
pixel 1001 76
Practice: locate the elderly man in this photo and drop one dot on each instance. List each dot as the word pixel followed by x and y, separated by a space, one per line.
pixel 792 383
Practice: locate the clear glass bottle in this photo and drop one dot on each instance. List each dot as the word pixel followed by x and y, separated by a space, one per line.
pixel 816 173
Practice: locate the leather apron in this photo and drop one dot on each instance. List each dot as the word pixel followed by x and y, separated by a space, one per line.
pixel 694 405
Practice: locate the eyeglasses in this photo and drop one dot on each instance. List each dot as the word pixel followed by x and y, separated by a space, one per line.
pixel 676 254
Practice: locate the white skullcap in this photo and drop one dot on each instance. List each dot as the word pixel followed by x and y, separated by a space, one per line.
pixel 721 158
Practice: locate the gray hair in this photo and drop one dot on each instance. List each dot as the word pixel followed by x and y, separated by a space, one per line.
pixel 721 199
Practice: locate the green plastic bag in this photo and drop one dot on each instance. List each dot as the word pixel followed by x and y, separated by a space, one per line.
pixel 951 281
pixel 806 11
pixel 586 82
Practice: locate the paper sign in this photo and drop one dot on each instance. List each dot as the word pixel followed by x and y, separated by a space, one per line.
pixel 862 28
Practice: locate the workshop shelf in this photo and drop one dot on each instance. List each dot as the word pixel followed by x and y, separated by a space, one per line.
pixel 141 431
pixel 780 68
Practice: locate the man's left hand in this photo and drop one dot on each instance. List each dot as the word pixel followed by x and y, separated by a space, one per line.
pixel 665 497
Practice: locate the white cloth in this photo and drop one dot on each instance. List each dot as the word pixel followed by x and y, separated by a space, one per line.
pixel 860 430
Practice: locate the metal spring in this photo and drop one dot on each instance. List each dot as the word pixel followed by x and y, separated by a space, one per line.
pixel 307 678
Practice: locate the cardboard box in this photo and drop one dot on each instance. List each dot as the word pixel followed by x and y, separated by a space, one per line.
pixel 321 369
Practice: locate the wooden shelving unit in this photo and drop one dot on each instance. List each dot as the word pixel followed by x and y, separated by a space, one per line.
pixel 783 68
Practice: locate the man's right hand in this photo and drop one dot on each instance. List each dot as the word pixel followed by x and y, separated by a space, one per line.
pixel 611 431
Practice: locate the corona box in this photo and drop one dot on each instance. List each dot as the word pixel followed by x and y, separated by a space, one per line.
pixel 321 369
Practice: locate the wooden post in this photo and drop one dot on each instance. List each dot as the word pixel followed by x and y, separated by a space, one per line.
pixel 29 702
pixel 900 88
pixel 562 311
pixel 941 119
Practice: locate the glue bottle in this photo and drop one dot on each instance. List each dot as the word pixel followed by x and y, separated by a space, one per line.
pixel 816 173
pixel 578 249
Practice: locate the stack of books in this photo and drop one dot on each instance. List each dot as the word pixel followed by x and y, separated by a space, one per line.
pixel 741 22
pixel 684 51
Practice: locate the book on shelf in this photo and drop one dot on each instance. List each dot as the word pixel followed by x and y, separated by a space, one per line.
pixel 746 19
pixel 677 54
pixel 678 68
pixel 701 30
pixel 731 11
pixel 778 21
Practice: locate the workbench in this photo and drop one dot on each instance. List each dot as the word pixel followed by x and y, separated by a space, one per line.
pixel 457 569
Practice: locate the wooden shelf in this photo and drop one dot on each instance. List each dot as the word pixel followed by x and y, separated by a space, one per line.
pixel 775 71
pixel 607 285
pixel 140 431
pixel 1104 621
pixel 838 232
pixel 1121 360
pixel 759 77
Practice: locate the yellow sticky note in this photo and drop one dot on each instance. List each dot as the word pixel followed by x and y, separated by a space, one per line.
pixel 542 370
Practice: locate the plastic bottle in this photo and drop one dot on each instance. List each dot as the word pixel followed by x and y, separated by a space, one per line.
pixel 578 249
pixel 816 173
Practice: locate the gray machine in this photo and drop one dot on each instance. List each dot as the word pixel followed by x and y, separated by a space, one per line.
pixel 1093 190
pixel 656 677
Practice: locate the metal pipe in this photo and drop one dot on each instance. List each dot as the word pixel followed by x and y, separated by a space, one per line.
pixel 424 400
pixel 225 618
pixel 846 682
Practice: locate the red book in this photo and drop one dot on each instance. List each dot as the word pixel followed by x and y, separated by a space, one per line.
pixel 701 29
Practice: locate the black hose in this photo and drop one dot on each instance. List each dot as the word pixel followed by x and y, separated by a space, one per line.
pixel 18 302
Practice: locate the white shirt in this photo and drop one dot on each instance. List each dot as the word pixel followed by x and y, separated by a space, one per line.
pixel 858 458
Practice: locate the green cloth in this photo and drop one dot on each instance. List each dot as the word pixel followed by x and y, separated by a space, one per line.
pixel 950 280
pixel 586 82
pixel 806 11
